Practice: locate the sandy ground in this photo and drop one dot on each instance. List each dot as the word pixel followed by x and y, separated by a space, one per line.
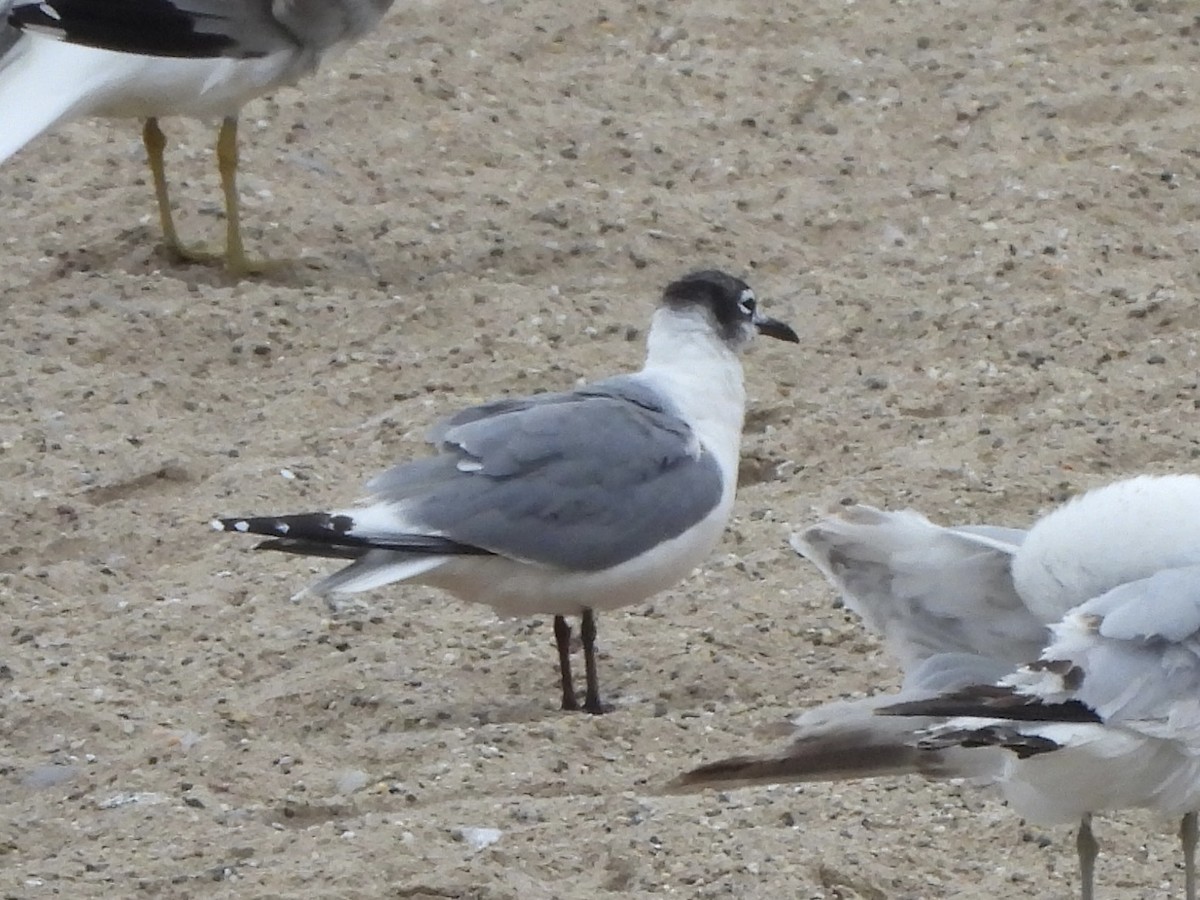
pixel 979 216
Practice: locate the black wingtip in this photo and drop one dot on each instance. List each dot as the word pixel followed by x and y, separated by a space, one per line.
pixel 993 702
pixel 322 534
pixel 149 29
pixel 1007 737
pixel 716 774
pixel 321 527
pixel 313 548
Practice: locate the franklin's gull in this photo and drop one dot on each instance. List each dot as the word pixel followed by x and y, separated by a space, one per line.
pixel 1104 592
pixel 152 58
pixel 564 503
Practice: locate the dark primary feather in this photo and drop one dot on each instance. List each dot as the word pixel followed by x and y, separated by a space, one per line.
pixel 993 702
pixel 320 534
pixel 313 548
pixel 8 34
pixel 241 29
pixel 843 739
pixel 1006 736
pixel 147 27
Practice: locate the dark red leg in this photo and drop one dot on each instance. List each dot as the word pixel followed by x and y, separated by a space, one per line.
pixel 562 637
pixel 587 631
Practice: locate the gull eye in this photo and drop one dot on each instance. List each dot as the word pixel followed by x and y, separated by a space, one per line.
pixel 747 303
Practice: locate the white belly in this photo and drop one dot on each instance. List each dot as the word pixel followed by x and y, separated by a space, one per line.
pixel 521 589
pixel 106 83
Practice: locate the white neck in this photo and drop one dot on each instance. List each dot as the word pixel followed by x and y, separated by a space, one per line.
pixel 1109 536
pixel 703 378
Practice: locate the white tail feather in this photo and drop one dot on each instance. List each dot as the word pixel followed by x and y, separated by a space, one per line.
pixel 375 569
pixel 44 82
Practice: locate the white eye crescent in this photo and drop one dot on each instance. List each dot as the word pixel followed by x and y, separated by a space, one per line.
pixel 747 302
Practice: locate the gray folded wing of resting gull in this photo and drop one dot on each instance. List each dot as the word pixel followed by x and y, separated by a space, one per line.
pixel 581 480
pixel 202 28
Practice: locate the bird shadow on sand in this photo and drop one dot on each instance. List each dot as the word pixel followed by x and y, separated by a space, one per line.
pixel 138 252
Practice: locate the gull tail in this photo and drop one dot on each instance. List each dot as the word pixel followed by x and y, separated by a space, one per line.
pixel 343 535
pixel 379 556
pixel 44 82
pixel 373 569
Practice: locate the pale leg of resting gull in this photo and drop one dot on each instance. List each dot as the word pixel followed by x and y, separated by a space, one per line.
pixel 235 258
pixel 1187 836
pixel 155 143
pixel 236 261
pixel 587 631
pixel 562 637
pixel 1085 844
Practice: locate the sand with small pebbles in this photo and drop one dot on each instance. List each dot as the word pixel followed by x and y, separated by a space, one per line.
pixel 979 216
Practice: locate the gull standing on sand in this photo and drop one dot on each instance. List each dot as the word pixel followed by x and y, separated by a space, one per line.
pixel 564 503
pixel 1107 718
pixel 152 58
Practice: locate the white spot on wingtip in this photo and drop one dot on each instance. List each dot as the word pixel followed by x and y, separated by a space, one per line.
pixel 50 11
pixel 217 525
pixel 287 474
pixel 243 526
pixel 282 527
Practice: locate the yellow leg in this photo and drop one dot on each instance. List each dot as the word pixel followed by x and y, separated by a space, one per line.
pixel 236 260
pixel 156 142
pixel 227 163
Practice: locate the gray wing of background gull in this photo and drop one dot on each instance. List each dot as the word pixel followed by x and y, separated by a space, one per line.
pixel 1130 658
pixel 927 589
pixel 1108 717
pixel 581 481
pixel 944 602
pixel 202 28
